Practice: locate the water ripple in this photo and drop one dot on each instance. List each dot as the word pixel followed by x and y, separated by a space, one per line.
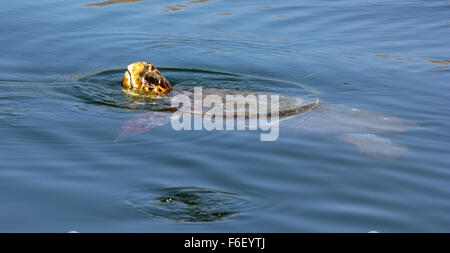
pixel 192 204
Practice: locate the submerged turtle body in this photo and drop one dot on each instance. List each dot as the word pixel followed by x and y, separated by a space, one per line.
pixel 143 80
pixel 306 114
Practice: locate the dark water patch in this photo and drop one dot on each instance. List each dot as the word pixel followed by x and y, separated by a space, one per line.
pixel 192 204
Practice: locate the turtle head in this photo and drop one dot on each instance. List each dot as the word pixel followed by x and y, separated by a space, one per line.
pixel 144 78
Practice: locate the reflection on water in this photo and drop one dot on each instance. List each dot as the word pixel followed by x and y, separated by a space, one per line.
pixel 440 61
pixel 104 3
pixel 183 5
pixel 224 14
pixel 398 58
pixel 262 7
pixel 443 62
pixel 386 56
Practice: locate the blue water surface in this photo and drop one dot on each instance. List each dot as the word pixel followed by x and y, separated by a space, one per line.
pixel 61 108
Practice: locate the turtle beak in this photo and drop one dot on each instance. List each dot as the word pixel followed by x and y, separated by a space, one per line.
pixel 143 77
pixel 159 90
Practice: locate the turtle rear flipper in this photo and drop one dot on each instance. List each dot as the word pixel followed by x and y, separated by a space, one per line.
pixel 374 145
pixel 142 123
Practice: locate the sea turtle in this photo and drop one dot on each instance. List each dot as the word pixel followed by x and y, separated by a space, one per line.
pixel 305 114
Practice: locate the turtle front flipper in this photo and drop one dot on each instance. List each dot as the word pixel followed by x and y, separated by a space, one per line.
pixel 374 145
pixel 142 123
